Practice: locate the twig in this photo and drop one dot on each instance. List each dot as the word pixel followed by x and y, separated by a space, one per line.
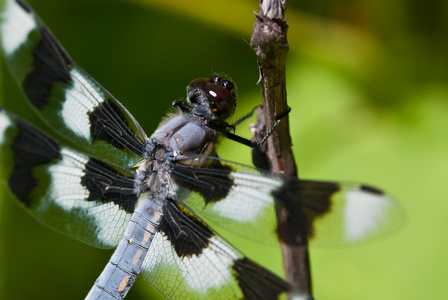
pixel 271 46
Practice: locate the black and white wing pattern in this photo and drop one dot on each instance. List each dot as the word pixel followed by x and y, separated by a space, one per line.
pixel 72 192
pixel 189 260
pixel 243 200
pixel 63 94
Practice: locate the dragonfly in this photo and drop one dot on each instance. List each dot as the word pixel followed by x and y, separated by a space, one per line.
pixel 154 198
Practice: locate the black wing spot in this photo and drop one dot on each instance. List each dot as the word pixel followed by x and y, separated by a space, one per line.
pixel 108 184
pixel 51 64
pixel 31 148
pixel 212 182
pixel 256 282
pixel 299 203
pixel 371 190
pixel 107 123
pixel 188 235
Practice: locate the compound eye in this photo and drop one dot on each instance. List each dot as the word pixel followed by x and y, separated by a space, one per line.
pixel 223 98
pixel 199 83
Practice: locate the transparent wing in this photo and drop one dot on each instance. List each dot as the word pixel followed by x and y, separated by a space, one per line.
pixel 243 200
pixel 188 260
pixel 357 212
pixel 65 96
pixel 81 196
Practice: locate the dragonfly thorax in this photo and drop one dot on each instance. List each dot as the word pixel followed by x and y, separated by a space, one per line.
pixel 183 135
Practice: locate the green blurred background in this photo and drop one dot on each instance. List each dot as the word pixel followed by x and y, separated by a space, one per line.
pixel 367 83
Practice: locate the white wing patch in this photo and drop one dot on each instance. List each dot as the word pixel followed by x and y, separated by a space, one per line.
pixel 16 26
pixel 68 193
pixel 80 99
pixel 356 214
pixel 371 212
pixel 66 187
pixel 111 221
pixel 250 196
pixel 211 270
pixel 206 276
pixel 5 122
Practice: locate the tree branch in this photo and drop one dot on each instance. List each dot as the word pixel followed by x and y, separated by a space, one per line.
pixel 271 46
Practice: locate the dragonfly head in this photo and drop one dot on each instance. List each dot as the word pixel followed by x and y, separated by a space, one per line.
pixel 213 97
